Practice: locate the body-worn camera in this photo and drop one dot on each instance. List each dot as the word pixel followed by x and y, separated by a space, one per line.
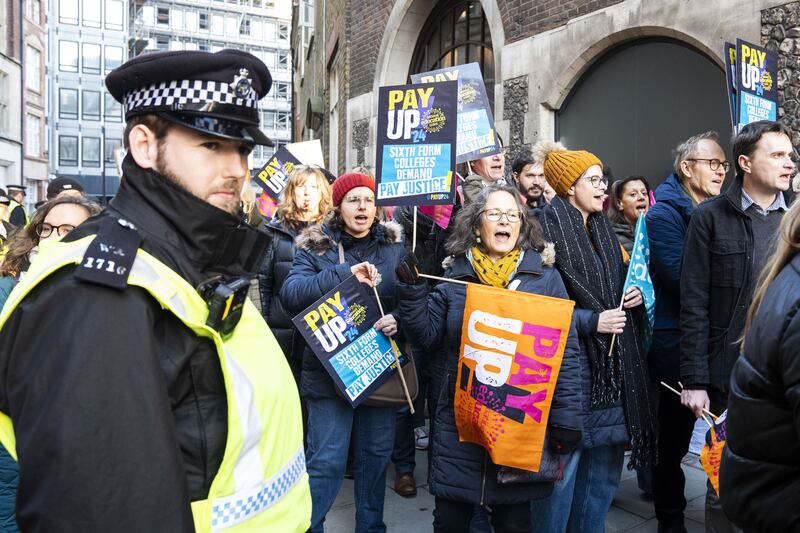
pixel 225 301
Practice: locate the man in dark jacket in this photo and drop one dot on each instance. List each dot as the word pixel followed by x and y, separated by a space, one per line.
pixel 119 379
pixel 728 241
pixel 700 168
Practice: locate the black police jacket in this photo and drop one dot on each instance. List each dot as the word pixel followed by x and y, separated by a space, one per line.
pixel 120 410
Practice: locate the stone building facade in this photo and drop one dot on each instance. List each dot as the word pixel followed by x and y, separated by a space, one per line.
pixel 780 31
pixel 543 54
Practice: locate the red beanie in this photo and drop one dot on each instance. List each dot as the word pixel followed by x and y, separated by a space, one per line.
pixel 349 181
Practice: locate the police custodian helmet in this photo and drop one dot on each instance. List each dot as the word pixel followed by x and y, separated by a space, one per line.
pixel 214 93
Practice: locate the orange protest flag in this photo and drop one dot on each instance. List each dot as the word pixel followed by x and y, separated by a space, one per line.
pixel 512 345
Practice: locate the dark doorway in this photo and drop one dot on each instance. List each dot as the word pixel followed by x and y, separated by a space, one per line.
pixel 636 103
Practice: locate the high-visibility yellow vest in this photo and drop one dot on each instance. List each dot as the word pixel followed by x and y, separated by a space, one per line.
pixel 13 204
pixel 262 484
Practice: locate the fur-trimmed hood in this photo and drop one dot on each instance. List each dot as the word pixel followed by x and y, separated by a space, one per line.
pixel 320 239
pixel 548 256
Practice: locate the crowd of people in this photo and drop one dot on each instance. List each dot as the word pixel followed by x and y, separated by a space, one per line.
pixel 144 391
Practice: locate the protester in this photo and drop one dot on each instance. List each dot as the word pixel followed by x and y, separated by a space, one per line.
pixel 760 474
pixel 483 172
pixel 64 186
pixel 6 228
pixel 616 402
pixel 495 243
pixel 630 198
pixel 351 242
pixel 700 167
pixel 148 394
pixel 306 201
pixel 729 240
pixel 17 215
pixel 528 175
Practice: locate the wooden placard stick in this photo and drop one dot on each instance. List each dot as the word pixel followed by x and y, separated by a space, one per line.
pixel 396 359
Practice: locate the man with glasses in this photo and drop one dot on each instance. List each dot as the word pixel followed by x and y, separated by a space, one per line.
pixel 700 168
pixel 728 241
pixel 484 171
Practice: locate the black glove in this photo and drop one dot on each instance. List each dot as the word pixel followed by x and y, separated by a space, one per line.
pixel 563 441
pixel 408 270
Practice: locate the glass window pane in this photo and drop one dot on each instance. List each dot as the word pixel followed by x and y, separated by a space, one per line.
pixel 33 68
pixel 90 150
pixel 92 11
pixel 68 103
pixel 257 29
pixel 231 26
pixel 33 135
pixel 217 24
pixel 68 11
pixel 112 110
pixel 110 148
pixel 91 58
pixel 203 21
pixel 149 15
pixel 191 21
pixel 68 56
pixel 269 31
pixel 283 32
pixel 162 17
pixel 113 57
pixel 461 27
pixel 91 105
pixel 68 150
pixel 114 14
pixel 176 19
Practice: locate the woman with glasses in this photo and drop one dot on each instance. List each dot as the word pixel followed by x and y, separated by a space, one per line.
pixel 630 198
pixel 51 222
pixel 306 202
pixel 615 400
pixel 497 243
pixel 351 242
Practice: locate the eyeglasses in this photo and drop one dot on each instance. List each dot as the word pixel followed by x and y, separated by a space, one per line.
pixel 714 164
pixel 597 180
pixel 356 200
pixel 495 215
pixel 44 230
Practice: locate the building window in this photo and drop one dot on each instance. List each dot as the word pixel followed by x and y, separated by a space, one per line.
pixel 68 150
pixel 33 10
pixel 90 151
pixel 283 60
pixel 110 147
pixel 177 19
pixel 283 32
pixel 68 103
pixel 217 24
pixel 282 120
pixel 162 42
pixel 113 57
pixel 257 29
pixel 92 13
pixel 91 58
pixel 148 15
pixel 268 120
pixel 68 56
pixel 281 91
pixel 68 11
pixel 33 69
pixel 203 21
pixel 33 134
pixel 191 20
pixel 454 34
pixel 112 110
pixel 231 26
pixel 90 105
pixel 163 17
pixel 269 31
pixel 5 102
pixel 269 58
pixel 244 27
pixel 114 15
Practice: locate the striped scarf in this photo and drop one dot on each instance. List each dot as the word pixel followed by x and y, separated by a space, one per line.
pixel 494 273
pixel 590 262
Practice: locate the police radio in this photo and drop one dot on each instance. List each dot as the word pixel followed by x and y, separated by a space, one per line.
pixel 225 301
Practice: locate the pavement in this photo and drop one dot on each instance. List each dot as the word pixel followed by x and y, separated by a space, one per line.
pixel 630 512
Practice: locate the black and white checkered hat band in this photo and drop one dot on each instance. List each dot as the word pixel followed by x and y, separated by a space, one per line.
pixel 177 94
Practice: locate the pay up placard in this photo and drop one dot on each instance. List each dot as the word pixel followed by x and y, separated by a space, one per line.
pixel 476 135
pixel 415 144
pixel 339 330
pixel 272 176
pixel 756 83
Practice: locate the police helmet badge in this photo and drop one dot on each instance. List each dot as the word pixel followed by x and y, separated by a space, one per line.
pixel 241 83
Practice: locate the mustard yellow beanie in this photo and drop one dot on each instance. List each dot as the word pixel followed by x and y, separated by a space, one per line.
pixel 563 167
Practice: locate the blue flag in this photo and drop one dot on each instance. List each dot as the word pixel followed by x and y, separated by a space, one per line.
pixel 639 276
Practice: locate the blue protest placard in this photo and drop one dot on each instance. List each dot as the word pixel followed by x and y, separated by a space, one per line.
pixel 339 330
pixel 476 136
pixel 756 83
pixel 415 144
pixel 730 77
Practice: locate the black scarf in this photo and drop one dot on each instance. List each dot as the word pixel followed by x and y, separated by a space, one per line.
pixel 590 262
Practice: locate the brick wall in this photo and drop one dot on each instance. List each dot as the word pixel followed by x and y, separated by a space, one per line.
pixel 525 18
pixel 368 22
pixel 780 32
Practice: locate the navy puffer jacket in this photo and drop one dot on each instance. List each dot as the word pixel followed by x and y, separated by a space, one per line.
pixel 462 471
pixel 316 270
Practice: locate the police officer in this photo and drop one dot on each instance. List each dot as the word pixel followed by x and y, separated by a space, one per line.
pixel 16 213
pixel 142 390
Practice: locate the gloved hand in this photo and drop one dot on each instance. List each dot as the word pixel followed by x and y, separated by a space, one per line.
pixel 408 270
pixel 563 441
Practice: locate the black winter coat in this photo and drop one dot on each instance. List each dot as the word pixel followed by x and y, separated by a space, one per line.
pixel 274 270
pixel 717 283
pixel 462 471
pixel 120 410
pixel 760 471
pixel 316 270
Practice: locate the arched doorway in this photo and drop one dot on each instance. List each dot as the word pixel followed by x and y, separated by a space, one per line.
pixel 456 33
pixel 638 101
